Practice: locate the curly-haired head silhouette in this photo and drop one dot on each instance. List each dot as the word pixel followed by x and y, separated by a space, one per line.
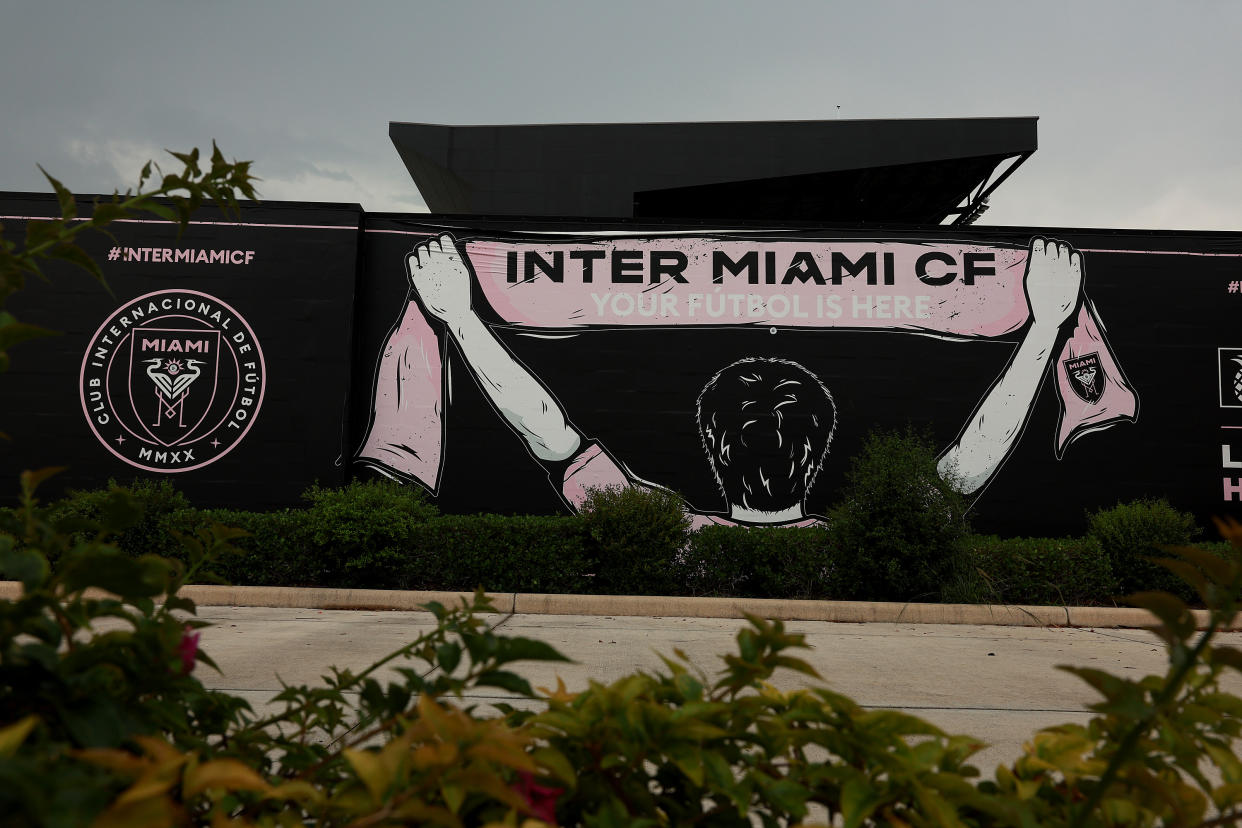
pixel 766 425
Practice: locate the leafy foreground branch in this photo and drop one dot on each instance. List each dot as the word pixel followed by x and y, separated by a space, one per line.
pixel 103 722
pixel 170 196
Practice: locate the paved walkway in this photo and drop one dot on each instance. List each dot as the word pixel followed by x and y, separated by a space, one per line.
pixel 985 671
pixel 997 683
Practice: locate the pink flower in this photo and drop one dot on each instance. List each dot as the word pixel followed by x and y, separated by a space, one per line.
pixel 540 798
pixel 188 650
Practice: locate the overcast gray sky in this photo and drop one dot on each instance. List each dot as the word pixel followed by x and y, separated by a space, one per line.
pixel 1140 103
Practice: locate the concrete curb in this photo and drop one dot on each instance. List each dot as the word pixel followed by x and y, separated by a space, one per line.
pixel 849 612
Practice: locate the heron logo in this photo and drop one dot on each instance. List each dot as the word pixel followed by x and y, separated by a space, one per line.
pixel 172 380
pixel 1085 377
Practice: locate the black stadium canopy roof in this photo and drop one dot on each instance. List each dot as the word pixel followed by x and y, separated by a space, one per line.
pixel 916 171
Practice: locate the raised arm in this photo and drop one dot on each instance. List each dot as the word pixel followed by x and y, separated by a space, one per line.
pixel 441 277
pixel 1053 285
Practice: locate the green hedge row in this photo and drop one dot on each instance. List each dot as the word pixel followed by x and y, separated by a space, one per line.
pixel 1038 571
pixel 380 535
pixel 898 533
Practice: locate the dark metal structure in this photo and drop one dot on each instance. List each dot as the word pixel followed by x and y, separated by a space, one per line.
pixel 915 171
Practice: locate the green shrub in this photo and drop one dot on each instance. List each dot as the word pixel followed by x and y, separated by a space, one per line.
pixel 1131 533
pixel 382 499
pixel 792 562
pixel 155 499
pixel 898 526
pixel 273 552
pixel 377 535
pixel 1040 571
pixel 362 533
pixel 638 536
pixel 500 554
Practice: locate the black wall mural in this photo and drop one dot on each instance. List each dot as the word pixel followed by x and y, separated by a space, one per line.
pixel 220 358
pixel 514 364
pixel 508 365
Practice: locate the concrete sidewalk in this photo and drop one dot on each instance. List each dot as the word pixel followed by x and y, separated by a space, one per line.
pixel 997 683
pixel 988 671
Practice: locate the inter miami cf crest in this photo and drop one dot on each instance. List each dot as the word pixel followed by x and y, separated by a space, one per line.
pixel 1085 377
pixel 172 380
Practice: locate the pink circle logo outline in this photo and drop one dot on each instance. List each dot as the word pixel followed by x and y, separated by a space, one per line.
pixel 166 375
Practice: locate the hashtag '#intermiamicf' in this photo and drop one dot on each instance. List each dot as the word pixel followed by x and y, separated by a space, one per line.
pixel 115 253
pixel 1234 287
